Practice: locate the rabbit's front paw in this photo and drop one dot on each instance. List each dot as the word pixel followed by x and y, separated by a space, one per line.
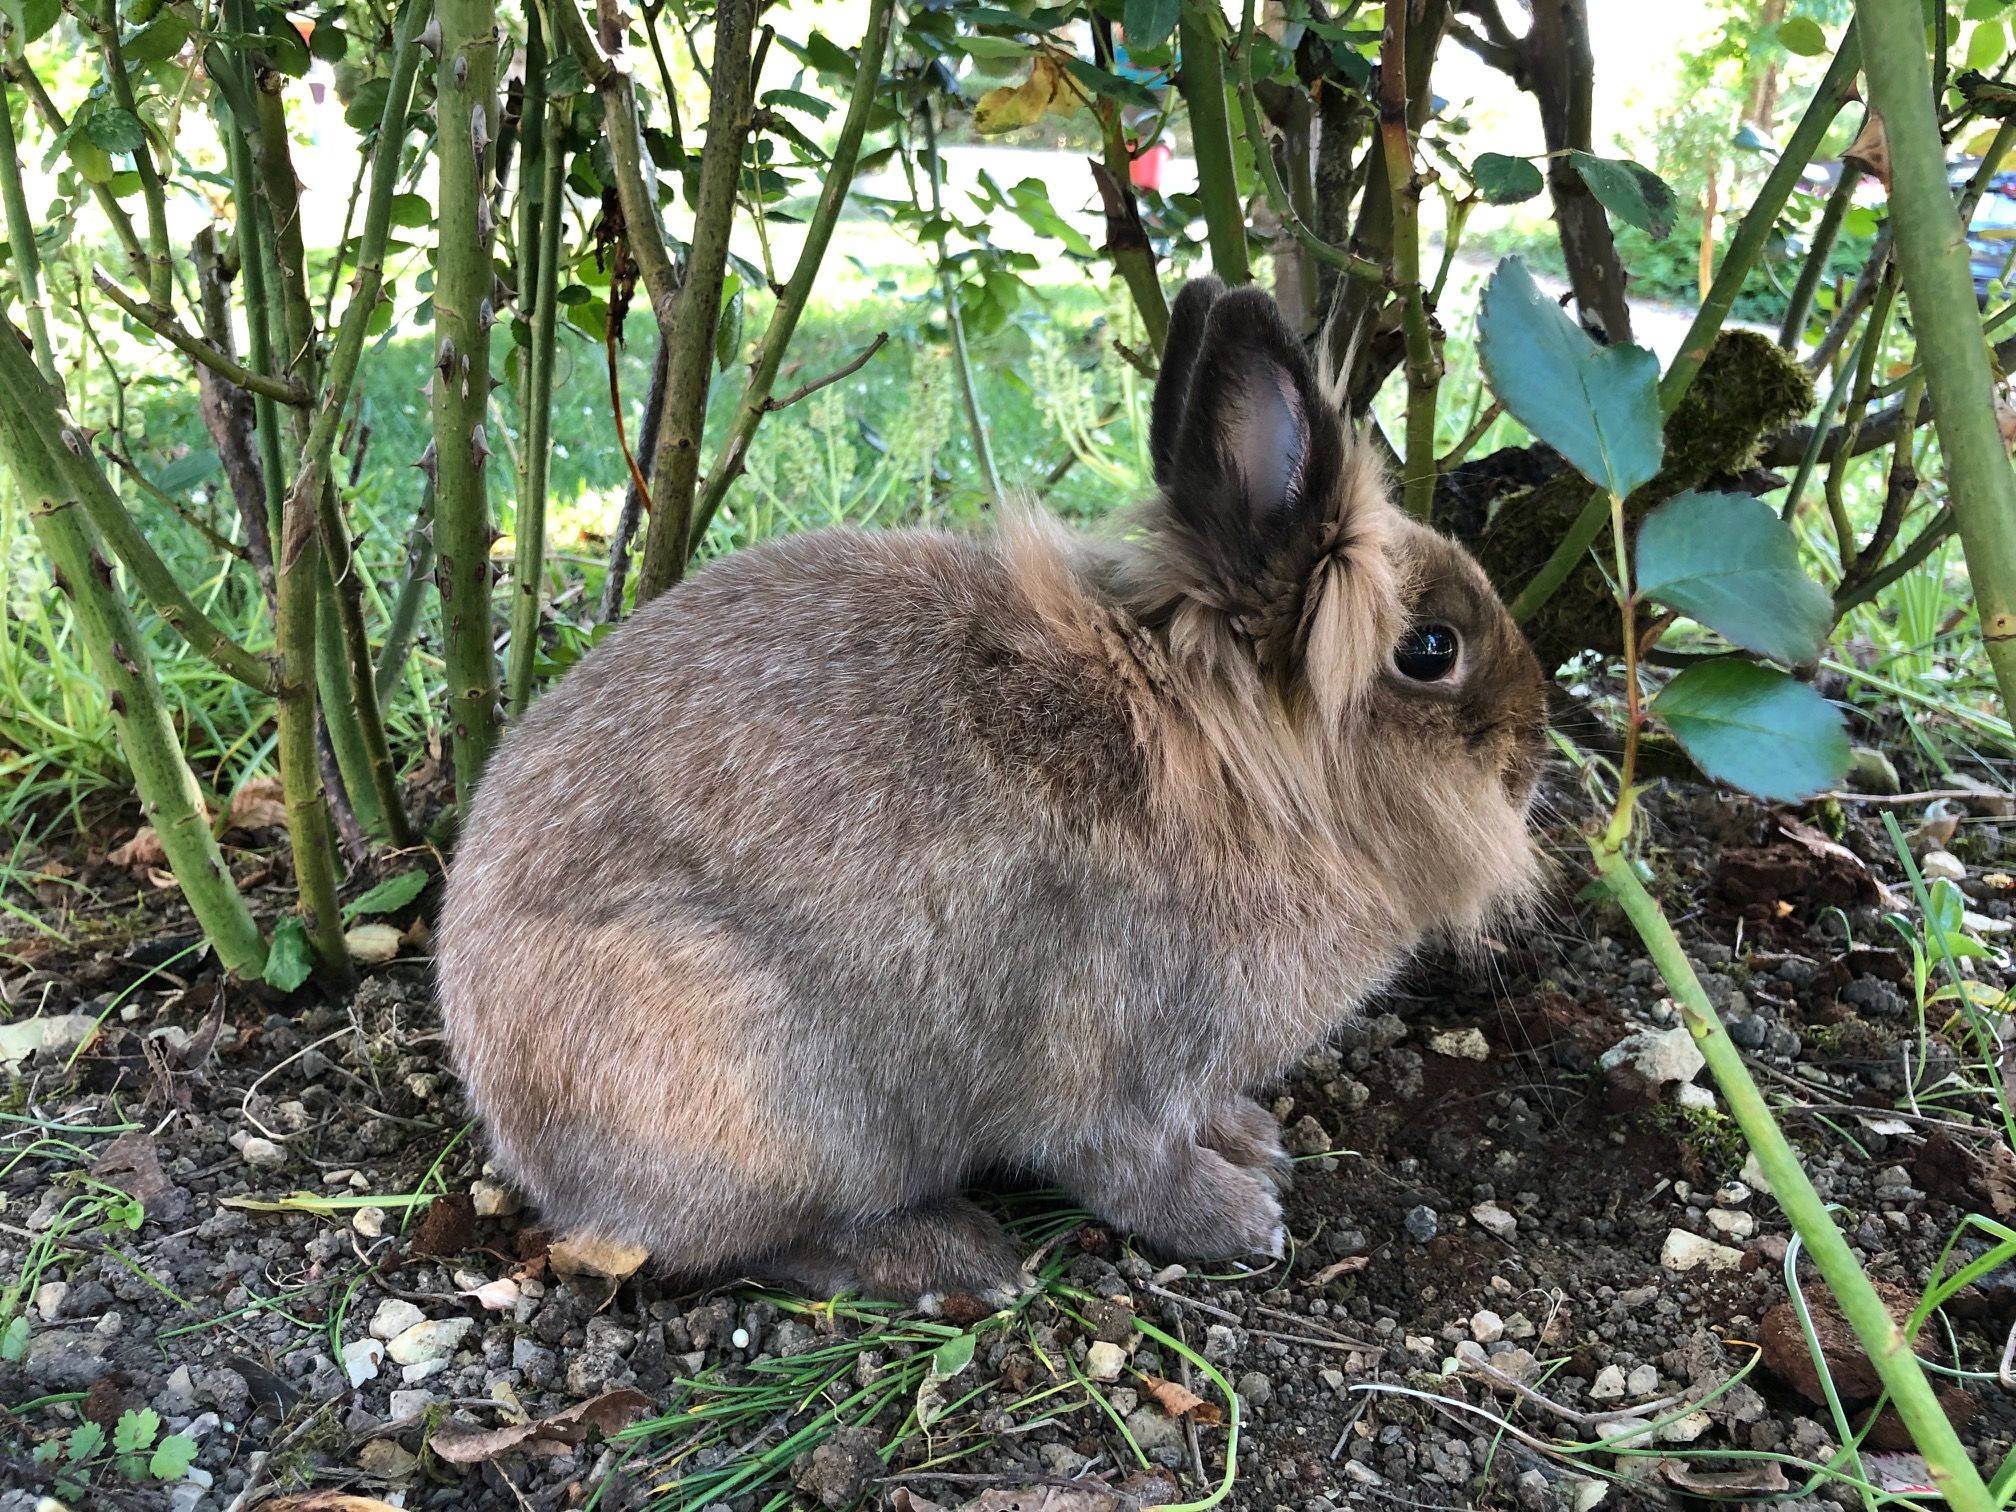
pixel 1248 1135
pixel 1181 1198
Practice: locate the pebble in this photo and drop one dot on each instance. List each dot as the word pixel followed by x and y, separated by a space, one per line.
pixel 428 1341
pixel 1306 1137
pixel 49 1299
pixel 1753 1175
pixel 361 1359
pixel 413 1375
pixel 1255 1389
pixel 1732 1194
pixel 369 1221
pixel 1486 1327
pixel 1494 1220
pixel 1608 1385
pixel 1694 1095
pixel 492 1200
pixel 178 1397
pixel 263 1153
pixel 1939 865
pixel 1684 1430
pixel 1683 1251
pixel 1461 1044
pixel 1731 1224
pixel 410 1404
pixel 1658 1055
pixel 1626 1433
pixel 1104 1361
pixel 1153 1429
pixel 394 1317
pixel 1223 1343
pixel 1643 1381
pixel 1421 1224
pixel 1333 1379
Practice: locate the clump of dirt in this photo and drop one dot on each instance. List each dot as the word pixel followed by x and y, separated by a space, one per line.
pixel 1498 1217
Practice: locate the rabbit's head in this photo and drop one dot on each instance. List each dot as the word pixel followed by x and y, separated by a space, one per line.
pixel 1344 665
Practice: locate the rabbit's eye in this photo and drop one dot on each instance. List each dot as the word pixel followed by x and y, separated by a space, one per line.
pixel 1426 653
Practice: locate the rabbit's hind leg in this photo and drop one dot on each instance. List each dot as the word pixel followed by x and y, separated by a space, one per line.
pixel 934 1249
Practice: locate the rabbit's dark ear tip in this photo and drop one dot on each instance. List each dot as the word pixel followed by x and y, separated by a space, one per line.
pixel 1202 290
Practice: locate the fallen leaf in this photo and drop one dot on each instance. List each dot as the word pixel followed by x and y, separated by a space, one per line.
pixel 496 1296
pixel 133 1164
pixel 1348 1266
pixel 1763 1479
pixel 549 1436
pixel 159 878
pixel 1181 1401
pixel 327 1501
pixel 372 944
pixel 1047 91
pixel 586 1255
pixel 144 849
pixel 259 804
pixel 55 870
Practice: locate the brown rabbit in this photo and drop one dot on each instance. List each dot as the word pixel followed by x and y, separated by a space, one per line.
pixel 863 864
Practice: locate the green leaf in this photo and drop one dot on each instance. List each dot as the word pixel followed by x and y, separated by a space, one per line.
pixel 389 896
pixel 135 1430
pixel 14 1338
pixel 1728 561
pixel 953 1356
pixel 31 18
pixel 1149 22
pixel 115 130
pixel 328 41
pixel 1506 180
pixel 184 473
pixel 48 1451
pixel 1985 47
pixel 1632 193
pixel 993 47
pixel 728 329
pixel 1756 729
pixel 86 1439
pixel 172 1457
pixel 412 210
pixel 156 42
pixel 1597 406
pixel 289 960
pixel 1802 35
pixel 367 106
pixel 797 99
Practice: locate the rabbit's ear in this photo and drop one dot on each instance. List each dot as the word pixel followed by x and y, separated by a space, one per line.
pixel 1179 360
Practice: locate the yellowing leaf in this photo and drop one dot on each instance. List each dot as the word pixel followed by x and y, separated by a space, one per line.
pixel 1047 91
pixel 585 1255
pixel 372 944
pixel 1181 1401
pixel 259 804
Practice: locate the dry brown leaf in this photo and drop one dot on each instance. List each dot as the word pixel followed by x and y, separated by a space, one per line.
pixel 372 944
pixel 1744 1481
pixel 327 1501
pixel 259 804
pixel 1036 1499
pixel 494 1296
pixel 55 869
pixel 1181 1401
pixel 585 1255
pixel 549 1436
pixel 1048 90
pixel 160 879
pixel 144 849
pixel 1870 151
pixel 1348 1266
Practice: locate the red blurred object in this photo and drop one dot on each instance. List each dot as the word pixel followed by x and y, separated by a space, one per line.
pixel 1146 170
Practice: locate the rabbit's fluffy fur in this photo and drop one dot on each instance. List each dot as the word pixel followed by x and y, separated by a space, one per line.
pixel 864 864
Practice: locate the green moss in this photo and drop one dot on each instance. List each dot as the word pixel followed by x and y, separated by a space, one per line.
pixel 1707 1136
pixel 1747 389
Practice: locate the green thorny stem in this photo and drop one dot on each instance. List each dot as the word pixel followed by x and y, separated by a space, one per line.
pixel 466 118
pixel 675 466
pixel 540 202
pixel 1888 1349
pixel 1201 80
pixel 755 402
pixel 35 449
pixel 1424 361
pixel 1933 258
pixel 1126 238
pixel 1743 252
pixel 948 293
pixel 21 236
pixel 104 24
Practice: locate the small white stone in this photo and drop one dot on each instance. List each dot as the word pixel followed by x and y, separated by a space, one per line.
pixel 1104 1361
pixel 263 1153
pixel 1731 1224
pixel 410 1404
pixel 1494 1220
pixel 1333 1380
pixel 369 1221
pixel 430 1340
pixel 413 1375
pixel 739 1338
pixel 1643 1381
pixel 1461 1044
pixel 492 1200
pixel 1608 1385
pixel 1420 1344
pixel 1942 865
pixel 1626 1433
pixel 49 1299
pixel 1753 1175
pixel 1683 1251
pixel 1981 924
pixel 361 1359
pixel 394 1317
pixel 1486 1327
pixel 1732 1194
pixel 1694 1095
pixel 1685 1430
pixel 1659 1055
pixel 337 1178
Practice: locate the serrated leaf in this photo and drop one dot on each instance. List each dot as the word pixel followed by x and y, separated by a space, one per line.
pixel 389 896
pixel 135 1430
pixel 1756 729
pixel 1729 562
pixel 1802 35
pixel 289 960
pixel 1149 22
pixel 86 1440
pixel 797 99
pixel 1631 192
pixel 115 130
pixel 1597 406
pixel 156 42
pixel 1506 180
